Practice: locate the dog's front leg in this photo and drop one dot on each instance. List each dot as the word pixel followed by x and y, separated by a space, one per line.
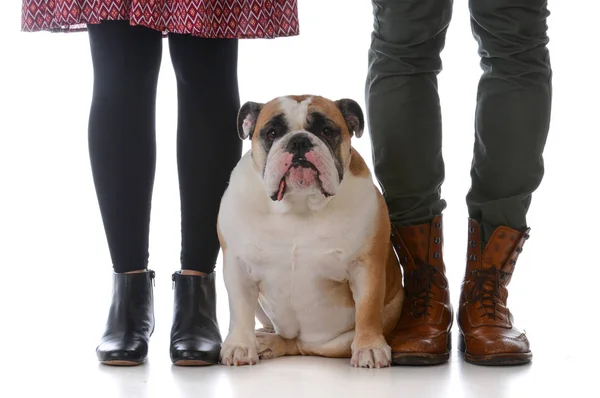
pixel 369 348
pixel 239 348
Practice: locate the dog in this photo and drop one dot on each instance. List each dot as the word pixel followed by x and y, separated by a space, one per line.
pixel 305 236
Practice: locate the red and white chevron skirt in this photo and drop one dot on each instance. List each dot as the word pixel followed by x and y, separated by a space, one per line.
pixel 242 19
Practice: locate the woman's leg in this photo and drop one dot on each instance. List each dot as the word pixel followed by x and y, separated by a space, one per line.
pixel 126 63
pixel 208 149
pixel 208 146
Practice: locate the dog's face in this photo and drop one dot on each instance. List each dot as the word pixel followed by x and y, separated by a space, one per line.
pixel 301 144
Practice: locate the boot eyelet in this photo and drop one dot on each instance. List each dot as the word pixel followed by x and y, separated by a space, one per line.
pixel 472 230
pixel 438 225
pixel 436 255
pixel 473 243
pixel 437 240
pixel 473 257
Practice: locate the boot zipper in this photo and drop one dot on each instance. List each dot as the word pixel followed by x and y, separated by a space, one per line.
pixel 152 275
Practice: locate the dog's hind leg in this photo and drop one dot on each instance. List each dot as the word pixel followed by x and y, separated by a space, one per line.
pixel 272 345
pixel 338 347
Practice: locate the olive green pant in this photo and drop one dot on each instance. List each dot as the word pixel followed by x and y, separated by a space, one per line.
pixel 512 114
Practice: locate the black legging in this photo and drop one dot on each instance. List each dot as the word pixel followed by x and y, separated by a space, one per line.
pixel 122 140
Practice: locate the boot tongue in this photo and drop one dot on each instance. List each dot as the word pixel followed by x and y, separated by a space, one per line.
pixel 499 247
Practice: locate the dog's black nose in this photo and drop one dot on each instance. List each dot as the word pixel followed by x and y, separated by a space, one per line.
pixel 299 145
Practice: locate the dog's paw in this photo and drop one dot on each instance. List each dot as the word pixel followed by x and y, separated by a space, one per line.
pixel 374 356
pixel 237 353
pixel 270 345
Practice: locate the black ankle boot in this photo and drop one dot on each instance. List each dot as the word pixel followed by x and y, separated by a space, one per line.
pixel 195 336
pixel 130 320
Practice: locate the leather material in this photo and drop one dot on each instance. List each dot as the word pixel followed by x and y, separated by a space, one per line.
pixel 488 335
pixel 195 335
pixel 130 320
pixel 423 332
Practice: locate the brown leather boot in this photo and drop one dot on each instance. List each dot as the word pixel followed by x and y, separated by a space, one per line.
pixel 422 336
pixel 487 333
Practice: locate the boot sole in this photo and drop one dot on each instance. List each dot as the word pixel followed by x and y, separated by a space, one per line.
pixel 422 358
pixel 503 359
pixel 189 362
pixel 121 363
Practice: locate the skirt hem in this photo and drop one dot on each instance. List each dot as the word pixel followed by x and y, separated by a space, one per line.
pixel 82 27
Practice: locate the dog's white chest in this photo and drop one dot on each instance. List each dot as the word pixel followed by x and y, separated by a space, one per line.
pixel 291 244
pixel 301 266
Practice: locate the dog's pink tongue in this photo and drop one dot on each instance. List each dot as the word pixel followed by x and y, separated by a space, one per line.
pixel 281 189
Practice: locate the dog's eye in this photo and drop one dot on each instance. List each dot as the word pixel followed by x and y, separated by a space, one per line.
pixel 327 132
pixel 271 134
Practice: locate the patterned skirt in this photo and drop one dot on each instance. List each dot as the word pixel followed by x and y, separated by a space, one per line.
pixel 242 19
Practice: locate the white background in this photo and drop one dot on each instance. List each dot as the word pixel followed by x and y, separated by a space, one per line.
pixel 55 269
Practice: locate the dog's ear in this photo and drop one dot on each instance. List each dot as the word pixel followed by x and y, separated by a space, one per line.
pixel 353 115
pixel 246 120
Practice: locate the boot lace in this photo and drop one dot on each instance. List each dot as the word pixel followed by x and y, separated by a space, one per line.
pixel 486 290
pixel 423 277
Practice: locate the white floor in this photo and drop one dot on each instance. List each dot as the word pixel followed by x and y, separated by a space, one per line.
pixel 52 314
pixel 54 264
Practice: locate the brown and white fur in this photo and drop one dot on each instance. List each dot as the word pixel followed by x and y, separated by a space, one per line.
pixel 305 236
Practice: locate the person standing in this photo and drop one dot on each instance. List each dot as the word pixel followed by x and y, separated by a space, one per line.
pixel 126 39
pixel 511 126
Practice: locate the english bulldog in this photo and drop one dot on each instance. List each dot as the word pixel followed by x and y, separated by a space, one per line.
pixel 305 236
